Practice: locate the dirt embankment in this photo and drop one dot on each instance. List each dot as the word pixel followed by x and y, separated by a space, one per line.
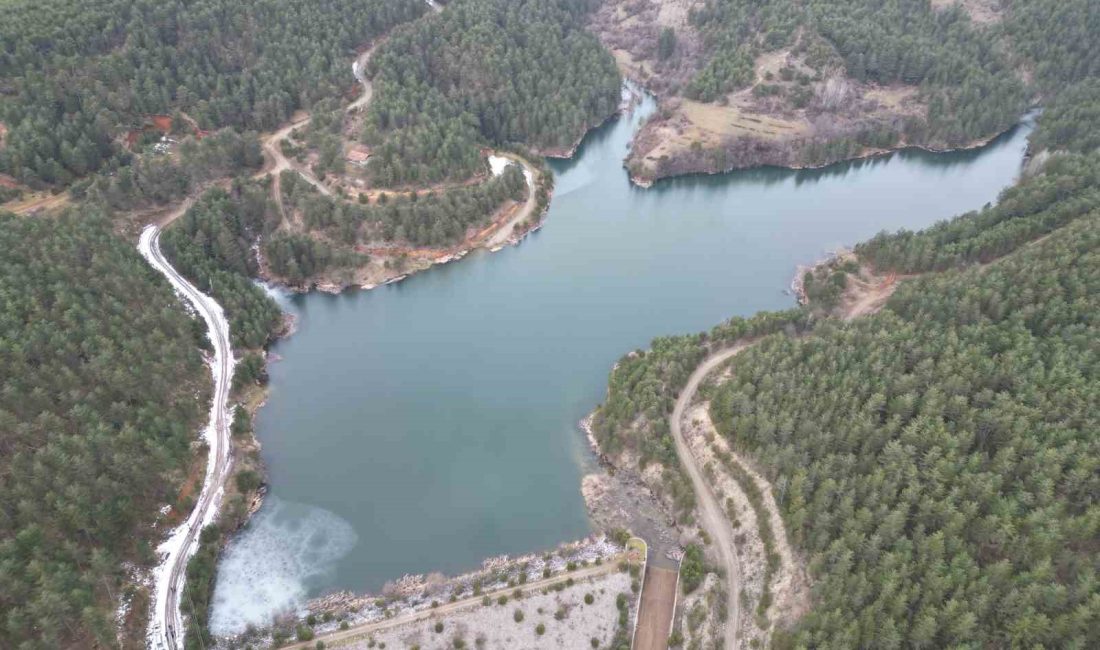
pixel 764 583
pixel 777 593
pixel 788 584
pixel 791 116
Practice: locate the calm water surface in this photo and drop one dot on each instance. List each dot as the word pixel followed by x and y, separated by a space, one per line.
pixel 427 425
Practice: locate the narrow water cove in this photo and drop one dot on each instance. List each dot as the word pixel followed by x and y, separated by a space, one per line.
pixel 427 425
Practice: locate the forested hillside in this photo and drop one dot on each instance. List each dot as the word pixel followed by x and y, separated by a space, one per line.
pixel 792 83
pixel 967 82
pixel 1068 188
pixel 212 245
pixel 485 72
pixel 161 180
pixel 1071 120
pixel 936 463
pixel 939 462
pixel 73 76
pixel 430 219
pixel 103 393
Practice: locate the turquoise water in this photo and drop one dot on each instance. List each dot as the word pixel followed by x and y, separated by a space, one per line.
pixel 427 425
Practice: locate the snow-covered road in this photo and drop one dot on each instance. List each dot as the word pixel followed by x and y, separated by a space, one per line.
pixel 166 623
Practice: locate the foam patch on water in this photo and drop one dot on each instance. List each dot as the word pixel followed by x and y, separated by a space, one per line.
pixel 276 293
pixel 271 566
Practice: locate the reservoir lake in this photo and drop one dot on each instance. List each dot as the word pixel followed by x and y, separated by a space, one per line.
pixel 426 425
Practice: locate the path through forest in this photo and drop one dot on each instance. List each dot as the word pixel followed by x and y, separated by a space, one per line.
pixel 868 299
pixel 711 515
pixel 166 624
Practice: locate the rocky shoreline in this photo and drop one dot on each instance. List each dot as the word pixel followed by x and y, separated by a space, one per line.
pixel 420 592
pixel 768 154
pixel 618 496
pixel 797 288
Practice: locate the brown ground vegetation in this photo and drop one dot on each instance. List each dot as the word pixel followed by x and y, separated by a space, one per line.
pixel 801 110
pixel 790 116
pixel 981 12
pixel 630 29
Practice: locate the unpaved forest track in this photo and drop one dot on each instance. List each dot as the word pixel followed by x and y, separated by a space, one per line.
pixel 166 625
pixel 271 144
pixel 711 515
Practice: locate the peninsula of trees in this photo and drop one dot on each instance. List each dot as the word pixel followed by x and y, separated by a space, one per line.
pixel 802 84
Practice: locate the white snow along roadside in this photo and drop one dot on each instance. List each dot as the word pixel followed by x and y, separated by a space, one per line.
pixel 165 629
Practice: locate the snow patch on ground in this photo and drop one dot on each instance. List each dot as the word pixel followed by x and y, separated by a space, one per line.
pixel 269 569
pixel 182 542
pixel 497 164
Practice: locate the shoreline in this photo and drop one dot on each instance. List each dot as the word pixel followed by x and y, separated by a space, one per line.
pixel 485 239
pixel 607 466
pixel 628 99
pixel 618 495
pixel 420 593
pixel 868 153
pixel 540 192
pixel 797 285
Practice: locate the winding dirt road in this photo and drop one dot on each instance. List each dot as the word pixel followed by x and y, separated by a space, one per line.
pixel 357 69
pixel 864 301
pixel 503 233
pixel 281 163
pixel 166 626
pixel 711 515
